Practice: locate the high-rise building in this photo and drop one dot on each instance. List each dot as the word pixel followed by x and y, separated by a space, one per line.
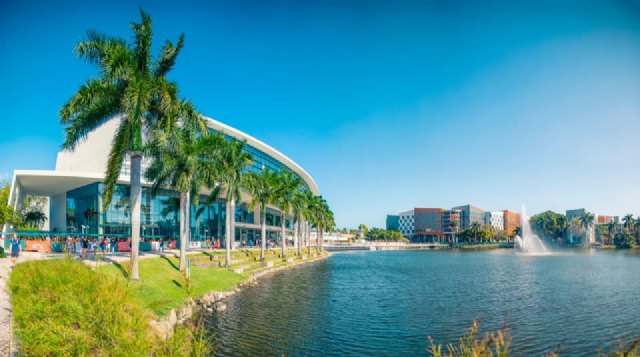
pixel 494 219
pixel 405 223
pixel 393 222
pixel 470 214
pixel 511 221
pixel 427 225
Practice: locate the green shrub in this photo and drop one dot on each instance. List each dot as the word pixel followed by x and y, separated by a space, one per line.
pixel 2 255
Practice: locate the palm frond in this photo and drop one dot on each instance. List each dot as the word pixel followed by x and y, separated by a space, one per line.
pixel 168 55
pixel 119 147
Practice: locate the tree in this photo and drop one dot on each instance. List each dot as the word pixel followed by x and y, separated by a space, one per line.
pixel 517 231
pixel 184 161
pixel 233 162
pixel 364 230
pixel 549 225
pixel 133 90
pixel 475 230
pixel 628 222
pixel 262 188
pixel 7 214
pixel 287 185
pixel 34 218
pixel 586 221
pixel 453 225
pixel 299 205
pixel 624 240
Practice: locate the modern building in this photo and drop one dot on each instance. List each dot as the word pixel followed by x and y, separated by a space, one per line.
pixel 511 221
pixel 393 223
pixel 75 189
pixel 427 225
pixel 494 219
pixel 406 223
pixel 470 214
pixel 451 224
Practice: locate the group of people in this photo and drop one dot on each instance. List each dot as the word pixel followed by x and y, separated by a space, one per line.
pixel 87 244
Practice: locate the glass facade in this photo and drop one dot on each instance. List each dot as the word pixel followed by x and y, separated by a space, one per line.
pixel 160 214
pixel 263 161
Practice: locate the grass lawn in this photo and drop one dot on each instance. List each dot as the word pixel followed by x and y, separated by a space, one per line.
pixel 162 287
pixel 61 307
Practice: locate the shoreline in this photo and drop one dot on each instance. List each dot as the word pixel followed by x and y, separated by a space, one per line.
pixel 214 301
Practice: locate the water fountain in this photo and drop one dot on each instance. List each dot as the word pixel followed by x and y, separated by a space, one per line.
pixel 528 242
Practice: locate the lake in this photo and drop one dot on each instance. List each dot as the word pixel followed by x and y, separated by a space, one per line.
pixel 388 303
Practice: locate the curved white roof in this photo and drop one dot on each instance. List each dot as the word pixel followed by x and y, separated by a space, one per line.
pixel 237 134
pixel 91 155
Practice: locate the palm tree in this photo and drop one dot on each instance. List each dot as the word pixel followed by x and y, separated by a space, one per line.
pixel 34 218
pixel 184 162
pixel 133 90
pixel 612 229
pixel 475 229
pixel 629 222
pixel 586 221
pixel 454 226
pixel 233 162
pixel 321 217
pixel 288 184
pixel 262 188
pixel 298 205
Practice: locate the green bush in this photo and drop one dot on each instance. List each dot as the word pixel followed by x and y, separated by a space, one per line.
pixel 2 255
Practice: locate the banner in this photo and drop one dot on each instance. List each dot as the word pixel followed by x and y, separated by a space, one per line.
pixel 38 246
pixel 124 247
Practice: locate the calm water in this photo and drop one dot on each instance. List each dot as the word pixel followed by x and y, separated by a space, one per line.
pixel 388 303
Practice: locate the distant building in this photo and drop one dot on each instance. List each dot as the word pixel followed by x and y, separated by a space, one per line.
pixel 511 221
pixel 427 225
pixel 405 223
pixel 607 219
pixel 470 214
pixel 451 224
pixel 494 219
pixel 393 222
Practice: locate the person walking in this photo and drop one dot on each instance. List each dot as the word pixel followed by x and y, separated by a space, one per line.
pixel 84 243
pixel 16 248
pixel 69 245
pixel 113 243
pixel 161 244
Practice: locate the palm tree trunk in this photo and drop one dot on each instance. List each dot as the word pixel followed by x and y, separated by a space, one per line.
pixel 283 234
pixel 319 238
pixel 185 227
pixel 135 198
pixel 296 239
pixel 233 222
pixel 263 231
pixel 308 229
pixel 227 235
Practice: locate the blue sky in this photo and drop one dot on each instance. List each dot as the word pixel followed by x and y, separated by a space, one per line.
pixel 388 105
